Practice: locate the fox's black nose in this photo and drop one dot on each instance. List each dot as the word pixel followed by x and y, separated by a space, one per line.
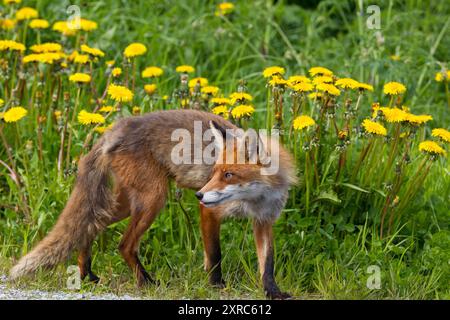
pixel 199 195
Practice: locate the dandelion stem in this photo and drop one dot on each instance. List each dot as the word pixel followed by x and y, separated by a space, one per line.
pixel 74 113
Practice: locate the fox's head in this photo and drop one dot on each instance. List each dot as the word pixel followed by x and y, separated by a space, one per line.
pixel 239 171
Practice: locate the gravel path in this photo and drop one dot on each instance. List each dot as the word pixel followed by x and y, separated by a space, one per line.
pixel 19 294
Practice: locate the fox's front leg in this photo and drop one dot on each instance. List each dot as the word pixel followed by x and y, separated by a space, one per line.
pixel 264 247
pixel 210 227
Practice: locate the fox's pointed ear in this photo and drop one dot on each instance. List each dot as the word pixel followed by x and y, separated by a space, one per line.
pixel 219 133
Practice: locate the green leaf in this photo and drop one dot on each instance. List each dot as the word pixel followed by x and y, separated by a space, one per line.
pixel 352 186
pixel 329 195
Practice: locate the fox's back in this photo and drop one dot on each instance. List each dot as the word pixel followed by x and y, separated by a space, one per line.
pixel 151 135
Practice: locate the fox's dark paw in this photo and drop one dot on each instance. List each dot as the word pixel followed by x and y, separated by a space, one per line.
pixel 145 280
pixel 93 278
pixel 278 295
pixel 220 284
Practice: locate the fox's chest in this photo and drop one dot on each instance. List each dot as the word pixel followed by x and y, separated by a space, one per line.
pixel 245 209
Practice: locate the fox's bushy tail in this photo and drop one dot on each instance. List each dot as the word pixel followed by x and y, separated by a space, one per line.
pixel 87 212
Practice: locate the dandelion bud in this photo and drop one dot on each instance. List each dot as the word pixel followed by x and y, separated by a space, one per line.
pixel 66 96
pixel 184 79
pixel 242 86
pixel 395 201
pixel 278 116
pixel 29 146
pixel 343 134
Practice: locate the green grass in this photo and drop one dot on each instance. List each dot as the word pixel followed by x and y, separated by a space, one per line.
pixel 321 254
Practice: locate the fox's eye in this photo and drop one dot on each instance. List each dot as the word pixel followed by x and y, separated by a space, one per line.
pixel 228 175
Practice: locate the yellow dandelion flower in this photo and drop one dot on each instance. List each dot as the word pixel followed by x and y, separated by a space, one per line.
pixel 315 95
pixel 26 13
pixel 57 114
pixel 46 47
pixel 441 133
pixel 220 110
pixel 134 50
pixel 11 46
pixel 48 57
pixel 431 147
pixel 394 114
pixel 242 110
pixel 185 69
pixel 150 88
pixel 302 122
pixel 273 71
pixel 64 28
pixel 328 88
pixel 374 127
pixel 347 83
pixel 110 63
pixel 107 109
pixel 136 110
pixel 1 102
pixel 322 79
pixel 394 88
pixel 81 59
pixel 210 90
pixel 185 102
pixel 14 114
pixel 120 93
pixel 342 134
pixel 116 72
pixel 92 51
pixel 73 55
pixel 199 80
pixel 240 96
pixel 39 24
pixel 442 75
pixel 418 119
pixel 88 25
pixel 277 81
pixel 293 80
pixel 152 72
pixel 224 8
pixel 220 101
pixel 101 129
pixel 395 57
pixel 86 118
pixel 364 86
pixel 7 24
pixel 11 1
pixel 80 78
pixel 303 87
pixel 321 71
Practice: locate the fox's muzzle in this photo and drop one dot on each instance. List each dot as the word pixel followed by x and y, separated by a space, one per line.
pixel 199 195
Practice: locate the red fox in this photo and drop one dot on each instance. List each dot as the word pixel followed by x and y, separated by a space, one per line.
pixel 127 173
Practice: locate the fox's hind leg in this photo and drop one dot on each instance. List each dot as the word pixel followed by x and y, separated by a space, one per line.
pixel 84 263
pixel 145 206
pixel 210 227
pixel 84 256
